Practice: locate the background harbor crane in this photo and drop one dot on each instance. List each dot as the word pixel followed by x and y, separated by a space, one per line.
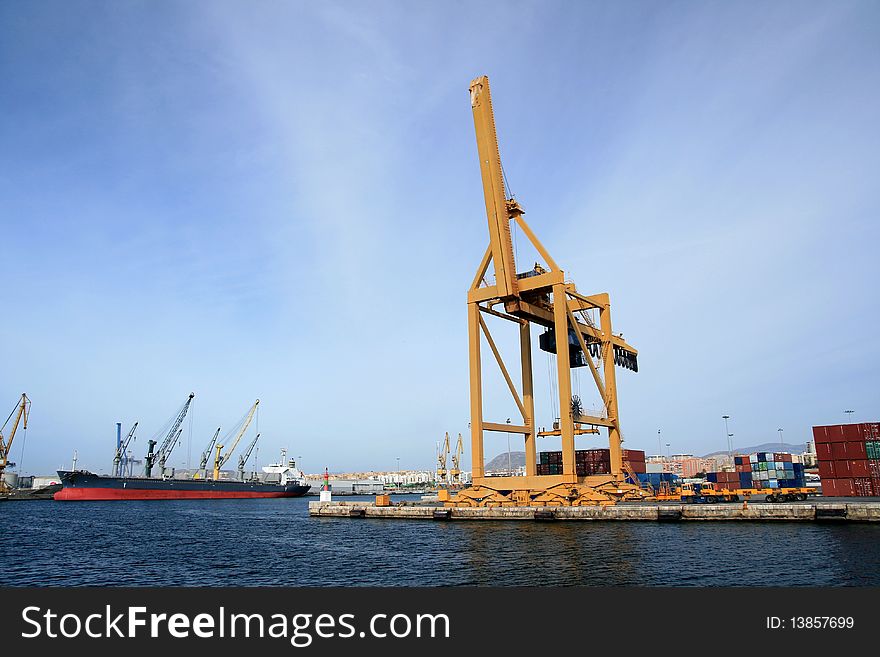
pixel 220 461
pixel 243 458
pixel 455 471
pixel 203 460
pixel 21 411
pixel 168 444
pixel 442 454
pixel 173 437
pixel 120 460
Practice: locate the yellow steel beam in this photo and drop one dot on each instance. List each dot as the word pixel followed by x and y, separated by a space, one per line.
pixel 510 318
pixel 549 279
pixel 483 294
pixel 595 421
pixel 502 428
pixel 507 378
pixel 587 357
pixel 481 270
pixel 493 187
pixel 476 390
pixel 525 344
pixel 577 432
pixel 536 242
pixel 563 379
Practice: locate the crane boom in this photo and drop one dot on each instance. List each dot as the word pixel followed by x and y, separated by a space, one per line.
pixel 173 436
pixel 121 451
pixel 203 462
pixel 21 410
pixel 499 210
pixel 220 461
pixel 171 439
pixel 243 458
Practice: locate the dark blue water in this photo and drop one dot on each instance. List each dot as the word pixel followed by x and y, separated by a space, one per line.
pixel 275 543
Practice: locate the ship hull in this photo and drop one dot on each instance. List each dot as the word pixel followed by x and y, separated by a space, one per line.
pixel 85 486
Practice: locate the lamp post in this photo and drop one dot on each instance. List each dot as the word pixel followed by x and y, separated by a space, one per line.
pixel 779 431
pixel 668 455
pixel 727 435
pixel 659 445
pixel 398 473
pixel 849 413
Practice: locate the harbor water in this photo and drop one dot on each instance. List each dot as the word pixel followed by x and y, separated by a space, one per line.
pixel 274 542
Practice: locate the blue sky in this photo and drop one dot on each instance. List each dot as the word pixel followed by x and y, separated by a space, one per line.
pixel 282 200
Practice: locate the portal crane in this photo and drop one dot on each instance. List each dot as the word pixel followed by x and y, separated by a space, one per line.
pixel 455 471
pixel 243 458
pixel 173 436
pixel 220 461
pixel 203 461
pixel 442 454
pixel 121 451
pixel 572 331
pixel 21 411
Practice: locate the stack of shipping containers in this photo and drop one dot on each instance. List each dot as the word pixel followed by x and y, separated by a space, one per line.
pixel 590 461
pixel 775 470
pixel 849 459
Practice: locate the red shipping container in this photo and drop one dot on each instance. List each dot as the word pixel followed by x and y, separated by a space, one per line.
pixel 855 450
pixel 853 432
pixel 823 451
pixel 826 470
pixel 638 467
pixel 842 470
pixel 859 469
pixel 829 487
pixel 838 451
pixel 874 467
pixel 834 434
pixel 820 435
pixel 875 483
pixel 863 487
pixel 845 487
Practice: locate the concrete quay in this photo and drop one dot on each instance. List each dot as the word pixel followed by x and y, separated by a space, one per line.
pixel 813 511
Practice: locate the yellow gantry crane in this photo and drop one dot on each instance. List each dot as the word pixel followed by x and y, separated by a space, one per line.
pixel 442 454
pixel 20 411
pixel 455 471
pixel 220 461
pixel 577 328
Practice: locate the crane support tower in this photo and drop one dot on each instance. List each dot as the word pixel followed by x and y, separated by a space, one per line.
pixel 21 411
pixel 577 328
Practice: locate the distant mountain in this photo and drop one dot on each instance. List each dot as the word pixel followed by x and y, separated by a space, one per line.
pixel 763 447
pixel 517 459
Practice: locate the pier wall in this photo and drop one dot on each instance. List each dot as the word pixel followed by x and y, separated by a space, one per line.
pixel 818 511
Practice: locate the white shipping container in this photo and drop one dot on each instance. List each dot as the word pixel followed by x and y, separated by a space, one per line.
pixel 42 482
